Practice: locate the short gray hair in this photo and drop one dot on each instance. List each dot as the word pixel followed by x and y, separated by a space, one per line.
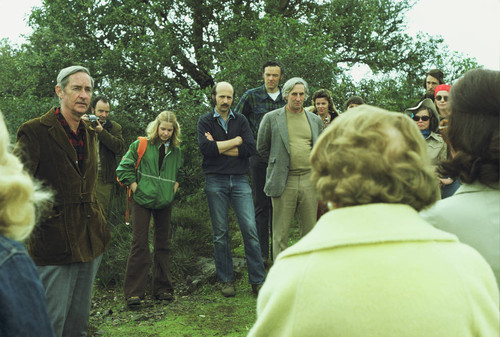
pixel 63 77
pixel 288 86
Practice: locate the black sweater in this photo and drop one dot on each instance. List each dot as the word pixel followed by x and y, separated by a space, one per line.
pixel 215 163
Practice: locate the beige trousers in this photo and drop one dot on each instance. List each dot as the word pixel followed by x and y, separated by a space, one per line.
pixel 299 199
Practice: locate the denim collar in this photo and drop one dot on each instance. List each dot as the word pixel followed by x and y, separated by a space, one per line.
pixel 218 115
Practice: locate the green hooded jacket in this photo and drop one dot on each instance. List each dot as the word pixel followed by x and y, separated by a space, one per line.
pixel 155 187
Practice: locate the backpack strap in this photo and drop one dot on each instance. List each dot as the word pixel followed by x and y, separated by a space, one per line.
pixel 143 144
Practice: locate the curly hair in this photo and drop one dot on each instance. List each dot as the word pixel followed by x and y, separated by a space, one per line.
pixel 20 196
pixel 473 129
pixel 373 156
pixel 324 93
pixel 164 116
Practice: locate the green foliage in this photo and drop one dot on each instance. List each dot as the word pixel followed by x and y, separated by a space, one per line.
pixel 150 55
pixel 18 110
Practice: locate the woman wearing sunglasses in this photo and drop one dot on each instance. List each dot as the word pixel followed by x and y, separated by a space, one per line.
pixel 441 94
pixel 427 119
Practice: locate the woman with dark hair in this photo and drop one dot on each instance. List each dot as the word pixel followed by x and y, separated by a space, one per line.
pixel 323 106
pixel 427 120
pixel 473 212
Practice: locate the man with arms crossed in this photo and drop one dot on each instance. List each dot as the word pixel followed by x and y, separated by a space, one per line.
pixel 285 140
pixel 254 104
pixel 226 143
pixel 59 149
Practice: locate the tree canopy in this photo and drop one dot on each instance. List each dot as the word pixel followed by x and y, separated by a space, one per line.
pixel 149 55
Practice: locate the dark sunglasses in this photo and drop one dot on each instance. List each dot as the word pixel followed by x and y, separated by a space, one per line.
pixel 439 97
pixel 424 118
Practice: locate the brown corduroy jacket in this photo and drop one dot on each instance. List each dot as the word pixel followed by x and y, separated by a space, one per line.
pixel 75 230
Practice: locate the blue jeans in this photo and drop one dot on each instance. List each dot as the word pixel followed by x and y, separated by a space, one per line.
pixel 222 190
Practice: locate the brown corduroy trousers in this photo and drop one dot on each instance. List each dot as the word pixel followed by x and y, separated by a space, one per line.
pixel 139 259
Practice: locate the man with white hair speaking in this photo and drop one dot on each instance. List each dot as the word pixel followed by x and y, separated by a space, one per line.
pixel 285 140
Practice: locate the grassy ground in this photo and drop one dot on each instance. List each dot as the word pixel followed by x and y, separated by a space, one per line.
pixel 204 313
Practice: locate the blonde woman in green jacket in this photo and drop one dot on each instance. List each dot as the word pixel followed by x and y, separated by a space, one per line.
pixel 153 186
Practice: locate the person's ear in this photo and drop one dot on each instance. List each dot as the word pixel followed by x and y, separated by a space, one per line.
pixel 59 91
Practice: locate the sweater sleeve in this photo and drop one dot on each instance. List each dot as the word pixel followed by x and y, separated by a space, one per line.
pixel 112 139
pixel 208 148
pixel 247 148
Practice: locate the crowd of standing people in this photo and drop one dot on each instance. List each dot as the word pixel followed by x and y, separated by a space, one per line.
pixel 399 213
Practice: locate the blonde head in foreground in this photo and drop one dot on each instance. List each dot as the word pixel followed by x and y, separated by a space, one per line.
pixel 373 156
pixel 19 195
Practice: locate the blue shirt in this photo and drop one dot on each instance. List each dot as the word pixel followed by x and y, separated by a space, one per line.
pixel 221 120
pixel 213 161
pixel 23 309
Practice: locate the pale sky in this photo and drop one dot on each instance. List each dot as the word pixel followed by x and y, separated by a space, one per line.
pixel 469 27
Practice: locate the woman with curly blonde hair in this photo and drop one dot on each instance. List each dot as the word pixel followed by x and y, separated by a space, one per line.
pixel 23 309
pixel 372 266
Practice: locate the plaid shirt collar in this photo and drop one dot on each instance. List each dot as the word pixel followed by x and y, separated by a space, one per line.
pixel 75 138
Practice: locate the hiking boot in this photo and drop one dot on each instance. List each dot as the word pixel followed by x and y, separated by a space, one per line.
pixel 256 288
pixel 228 289
pixel 165 297
pixel 133 301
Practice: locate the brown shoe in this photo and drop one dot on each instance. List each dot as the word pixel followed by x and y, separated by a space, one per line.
pixel 133 302
pixel 228 289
